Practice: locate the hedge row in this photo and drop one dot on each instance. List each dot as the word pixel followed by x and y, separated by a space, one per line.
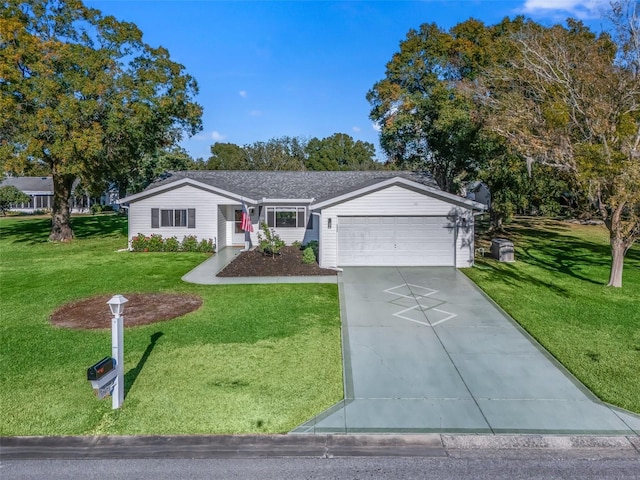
pixel 155 243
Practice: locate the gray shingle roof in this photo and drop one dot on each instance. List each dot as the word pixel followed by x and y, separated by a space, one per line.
pixel 29 184
pixel 288 185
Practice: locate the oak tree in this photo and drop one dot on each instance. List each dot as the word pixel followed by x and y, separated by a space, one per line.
pixel 570 99
pixel 83 93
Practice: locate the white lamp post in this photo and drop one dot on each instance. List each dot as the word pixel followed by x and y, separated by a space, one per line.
pixel 116 304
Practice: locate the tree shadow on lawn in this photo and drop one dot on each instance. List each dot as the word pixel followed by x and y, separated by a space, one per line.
pixel 563 254
pixel 556 252
pixel 131 376
pixel 553 251
pixel 33 231
pixel 513 275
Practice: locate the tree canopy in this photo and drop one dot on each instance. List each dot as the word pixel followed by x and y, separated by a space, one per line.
pixel 426 121
pixel 337 152
pixel 11 195
pixel 570 99
pixel 83 94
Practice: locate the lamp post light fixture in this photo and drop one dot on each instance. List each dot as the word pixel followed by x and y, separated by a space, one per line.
pixel 116 304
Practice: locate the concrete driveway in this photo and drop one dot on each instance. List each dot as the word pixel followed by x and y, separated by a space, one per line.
pixel 426 351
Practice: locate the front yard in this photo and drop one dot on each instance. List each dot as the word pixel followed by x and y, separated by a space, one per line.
pixel 254 358
pixel 266 358
pixel 556 291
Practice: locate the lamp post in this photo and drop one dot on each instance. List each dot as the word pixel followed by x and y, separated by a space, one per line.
pixel 116 304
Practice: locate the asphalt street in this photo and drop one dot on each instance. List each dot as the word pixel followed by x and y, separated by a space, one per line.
pixel 592 465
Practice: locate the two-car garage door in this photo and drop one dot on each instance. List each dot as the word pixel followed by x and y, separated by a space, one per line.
pixel 402 241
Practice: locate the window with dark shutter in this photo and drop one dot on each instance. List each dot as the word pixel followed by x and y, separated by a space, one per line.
pixel 155 218
pixel 192 218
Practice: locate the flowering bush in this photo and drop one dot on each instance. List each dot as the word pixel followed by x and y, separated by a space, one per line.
pixel 190 243
pixel 206 246
pixel 171 244
pixel 140 243
pixel 155 243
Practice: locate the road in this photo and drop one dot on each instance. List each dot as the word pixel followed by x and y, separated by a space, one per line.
pixel 481 465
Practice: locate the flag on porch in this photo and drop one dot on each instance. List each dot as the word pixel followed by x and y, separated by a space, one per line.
pixel 246 219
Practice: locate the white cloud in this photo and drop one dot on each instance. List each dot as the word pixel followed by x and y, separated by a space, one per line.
pixel 376 127
pixel 255 113
pixel 217 136
pixel 577 8
pixel 356 129
pixel 243 93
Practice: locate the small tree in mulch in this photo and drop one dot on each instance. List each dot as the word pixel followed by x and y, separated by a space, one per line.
pixel 269 243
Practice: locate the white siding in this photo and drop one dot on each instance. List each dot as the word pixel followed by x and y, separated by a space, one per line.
pixel 205 203
pixel 222 227
pixel 393 201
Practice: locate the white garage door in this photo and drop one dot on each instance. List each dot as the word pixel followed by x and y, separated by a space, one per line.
pixel 402 241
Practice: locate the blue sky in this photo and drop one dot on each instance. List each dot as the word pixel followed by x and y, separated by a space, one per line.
pixel 301 68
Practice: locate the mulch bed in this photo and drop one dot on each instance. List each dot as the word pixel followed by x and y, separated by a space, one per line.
pixel 288 263
pixel 141 309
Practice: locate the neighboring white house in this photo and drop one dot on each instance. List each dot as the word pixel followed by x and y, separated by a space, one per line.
pixel 359 218
pixel 40 191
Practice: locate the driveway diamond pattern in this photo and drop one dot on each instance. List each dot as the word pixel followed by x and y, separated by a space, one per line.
pixel 425 351
pixel 421 301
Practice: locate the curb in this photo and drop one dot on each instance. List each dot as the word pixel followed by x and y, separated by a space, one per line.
pixel 323 446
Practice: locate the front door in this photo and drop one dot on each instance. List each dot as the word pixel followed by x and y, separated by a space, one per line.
pixel 238 233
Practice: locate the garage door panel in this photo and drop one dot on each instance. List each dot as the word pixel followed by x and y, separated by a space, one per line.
pixel 402 241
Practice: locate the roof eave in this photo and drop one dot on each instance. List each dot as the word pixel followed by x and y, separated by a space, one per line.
pixel 395 181
pixel 179 183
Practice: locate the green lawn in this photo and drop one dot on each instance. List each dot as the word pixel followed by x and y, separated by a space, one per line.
pixel 254 358
pixel 556 291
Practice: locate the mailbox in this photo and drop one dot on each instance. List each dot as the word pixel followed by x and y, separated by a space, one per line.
pixel 102 376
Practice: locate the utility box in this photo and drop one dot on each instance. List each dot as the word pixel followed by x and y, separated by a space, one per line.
pixel 102 376
pixel 502 250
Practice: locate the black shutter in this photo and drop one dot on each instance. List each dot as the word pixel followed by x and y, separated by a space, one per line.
pixel 155 218
pixel 191 218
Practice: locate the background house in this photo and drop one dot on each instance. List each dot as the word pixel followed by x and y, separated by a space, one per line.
pixel 40 191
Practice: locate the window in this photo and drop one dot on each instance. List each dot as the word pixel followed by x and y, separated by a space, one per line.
pixel 166 218
pixel 286 217
pixel 180 218
pixel 185 217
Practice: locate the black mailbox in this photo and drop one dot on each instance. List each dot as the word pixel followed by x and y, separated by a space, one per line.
pixel 104 366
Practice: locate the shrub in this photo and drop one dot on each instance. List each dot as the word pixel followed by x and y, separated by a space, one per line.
pixel 308 255
pixel 206 246
pixel 171 244
pixel 96 208
pixel 139 243
pixel 155 243
pixel 269 242
pixel 297 244
pixel 315 246
pixel 189 243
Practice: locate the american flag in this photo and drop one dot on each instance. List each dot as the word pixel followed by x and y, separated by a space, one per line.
pixel 246 219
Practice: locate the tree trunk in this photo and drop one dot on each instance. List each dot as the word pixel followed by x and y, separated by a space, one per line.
pixel 61 216
pixel 618 250
pixel 495 219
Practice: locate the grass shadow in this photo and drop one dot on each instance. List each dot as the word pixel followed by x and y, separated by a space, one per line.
pixel 19 230
pixel 515 276
pixel 131 376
